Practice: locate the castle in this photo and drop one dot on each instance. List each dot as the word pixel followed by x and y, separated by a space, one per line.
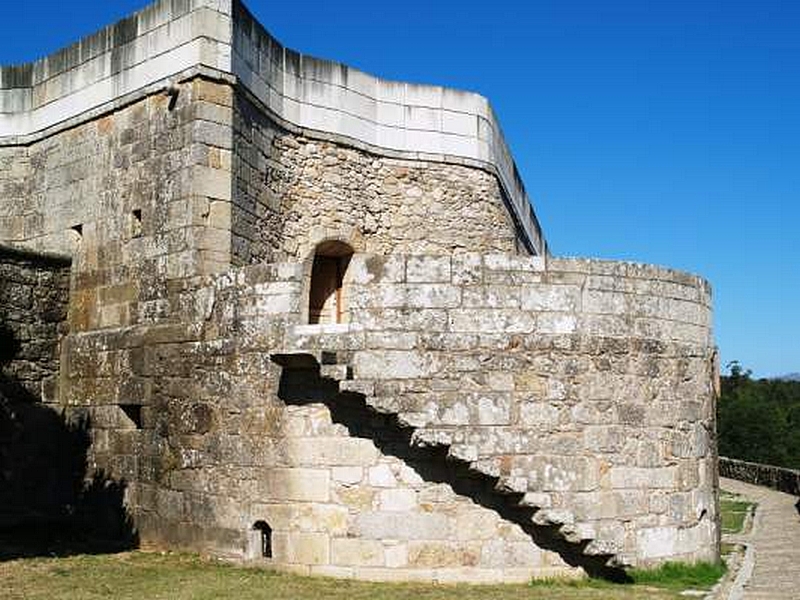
pixel 313 322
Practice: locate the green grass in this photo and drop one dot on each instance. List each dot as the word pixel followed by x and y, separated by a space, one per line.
pixel 153 576
pixel 680 576
pixel 671 576
pixel 733 512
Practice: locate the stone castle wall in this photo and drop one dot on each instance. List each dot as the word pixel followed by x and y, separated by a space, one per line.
pixel 36 466
pixel 172 42
pixel 485 415
pixel 130 190
pixel 583 386
pixel 150 193
pixel 34 292
pixel 292 192
pixel 14 170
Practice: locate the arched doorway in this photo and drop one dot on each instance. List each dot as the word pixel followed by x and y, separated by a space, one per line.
pixel 265 538
pixel 327 301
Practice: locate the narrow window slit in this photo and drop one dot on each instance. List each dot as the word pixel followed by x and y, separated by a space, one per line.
pixel 136 223
pixel 266 538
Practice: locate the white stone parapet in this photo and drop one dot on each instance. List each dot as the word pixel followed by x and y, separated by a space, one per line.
pixel 170 39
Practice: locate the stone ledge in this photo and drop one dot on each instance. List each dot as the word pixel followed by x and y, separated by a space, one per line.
pixel 34 257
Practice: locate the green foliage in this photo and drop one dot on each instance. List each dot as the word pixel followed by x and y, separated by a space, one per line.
pixel 759 420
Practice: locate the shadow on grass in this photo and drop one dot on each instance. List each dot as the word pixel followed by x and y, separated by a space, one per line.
pixel 48 505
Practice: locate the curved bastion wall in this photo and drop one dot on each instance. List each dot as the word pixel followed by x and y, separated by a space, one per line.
pixel 480 418
pixel 485 412
pixel 583 385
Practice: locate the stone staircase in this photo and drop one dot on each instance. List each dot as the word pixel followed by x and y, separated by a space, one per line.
pixel 513 497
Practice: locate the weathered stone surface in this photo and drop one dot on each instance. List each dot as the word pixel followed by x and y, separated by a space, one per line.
pixel 459 366
pixel 399 525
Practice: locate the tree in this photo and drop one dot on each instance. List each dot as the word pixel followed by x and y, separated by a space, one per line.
pixel 759 420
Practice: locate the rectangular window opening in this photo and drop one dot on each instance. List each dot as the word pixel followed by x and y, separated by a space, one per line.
pixel 136 223
pixel 134 413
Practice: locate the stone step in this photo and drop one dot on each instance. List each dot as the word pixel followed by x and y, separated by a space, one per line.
pixel 333 366
pixel 576 533
pixel 464 452
pixel 598 547
pixel 415 420
pixel 423 438
pixel 547 517
pixel 512 485
pixel 536 500
pixel 486 466
pixel 365 387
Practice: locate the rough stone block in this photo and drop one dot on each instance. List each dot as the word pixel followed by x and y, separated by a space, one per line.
pixel 382 476
pixel 476 524
pixel 369 268
pixel 394 364
pixel 392 340
pixel 558 298
pixel 347 475
pixel 356 552
pixel 421 295
pixel 402 526
pixel 212 183
pixel 308 548
pixel 605 303
pixel 553 323
pixel 428 269
pixel 657 542
pixel 539 415
pixel 491 321
pixel 641 478
pixel 467 269
pixel 327 452
pixel 395 554
pixel 397 499
pixel 442 554
pixel 309 485
pixel 561 474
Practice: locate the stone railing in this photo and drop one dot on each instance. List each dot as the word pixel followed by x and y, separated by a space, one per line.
pixel 783 480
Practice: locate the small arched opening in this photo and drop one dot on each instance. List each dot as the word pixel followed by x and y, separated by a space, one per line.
pixel 327 301
pixel 265 533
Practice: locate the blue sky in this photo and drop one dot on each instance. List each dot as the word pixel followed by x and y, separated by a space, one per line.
pixel 664 132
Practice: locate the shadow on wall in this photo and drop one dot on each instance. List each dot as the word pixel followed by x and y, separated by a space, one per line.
pixel 304 385
pixel 47 506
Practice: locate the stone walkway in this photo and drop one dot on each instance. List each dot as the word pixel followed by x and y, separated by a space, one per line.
pixel 774 555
